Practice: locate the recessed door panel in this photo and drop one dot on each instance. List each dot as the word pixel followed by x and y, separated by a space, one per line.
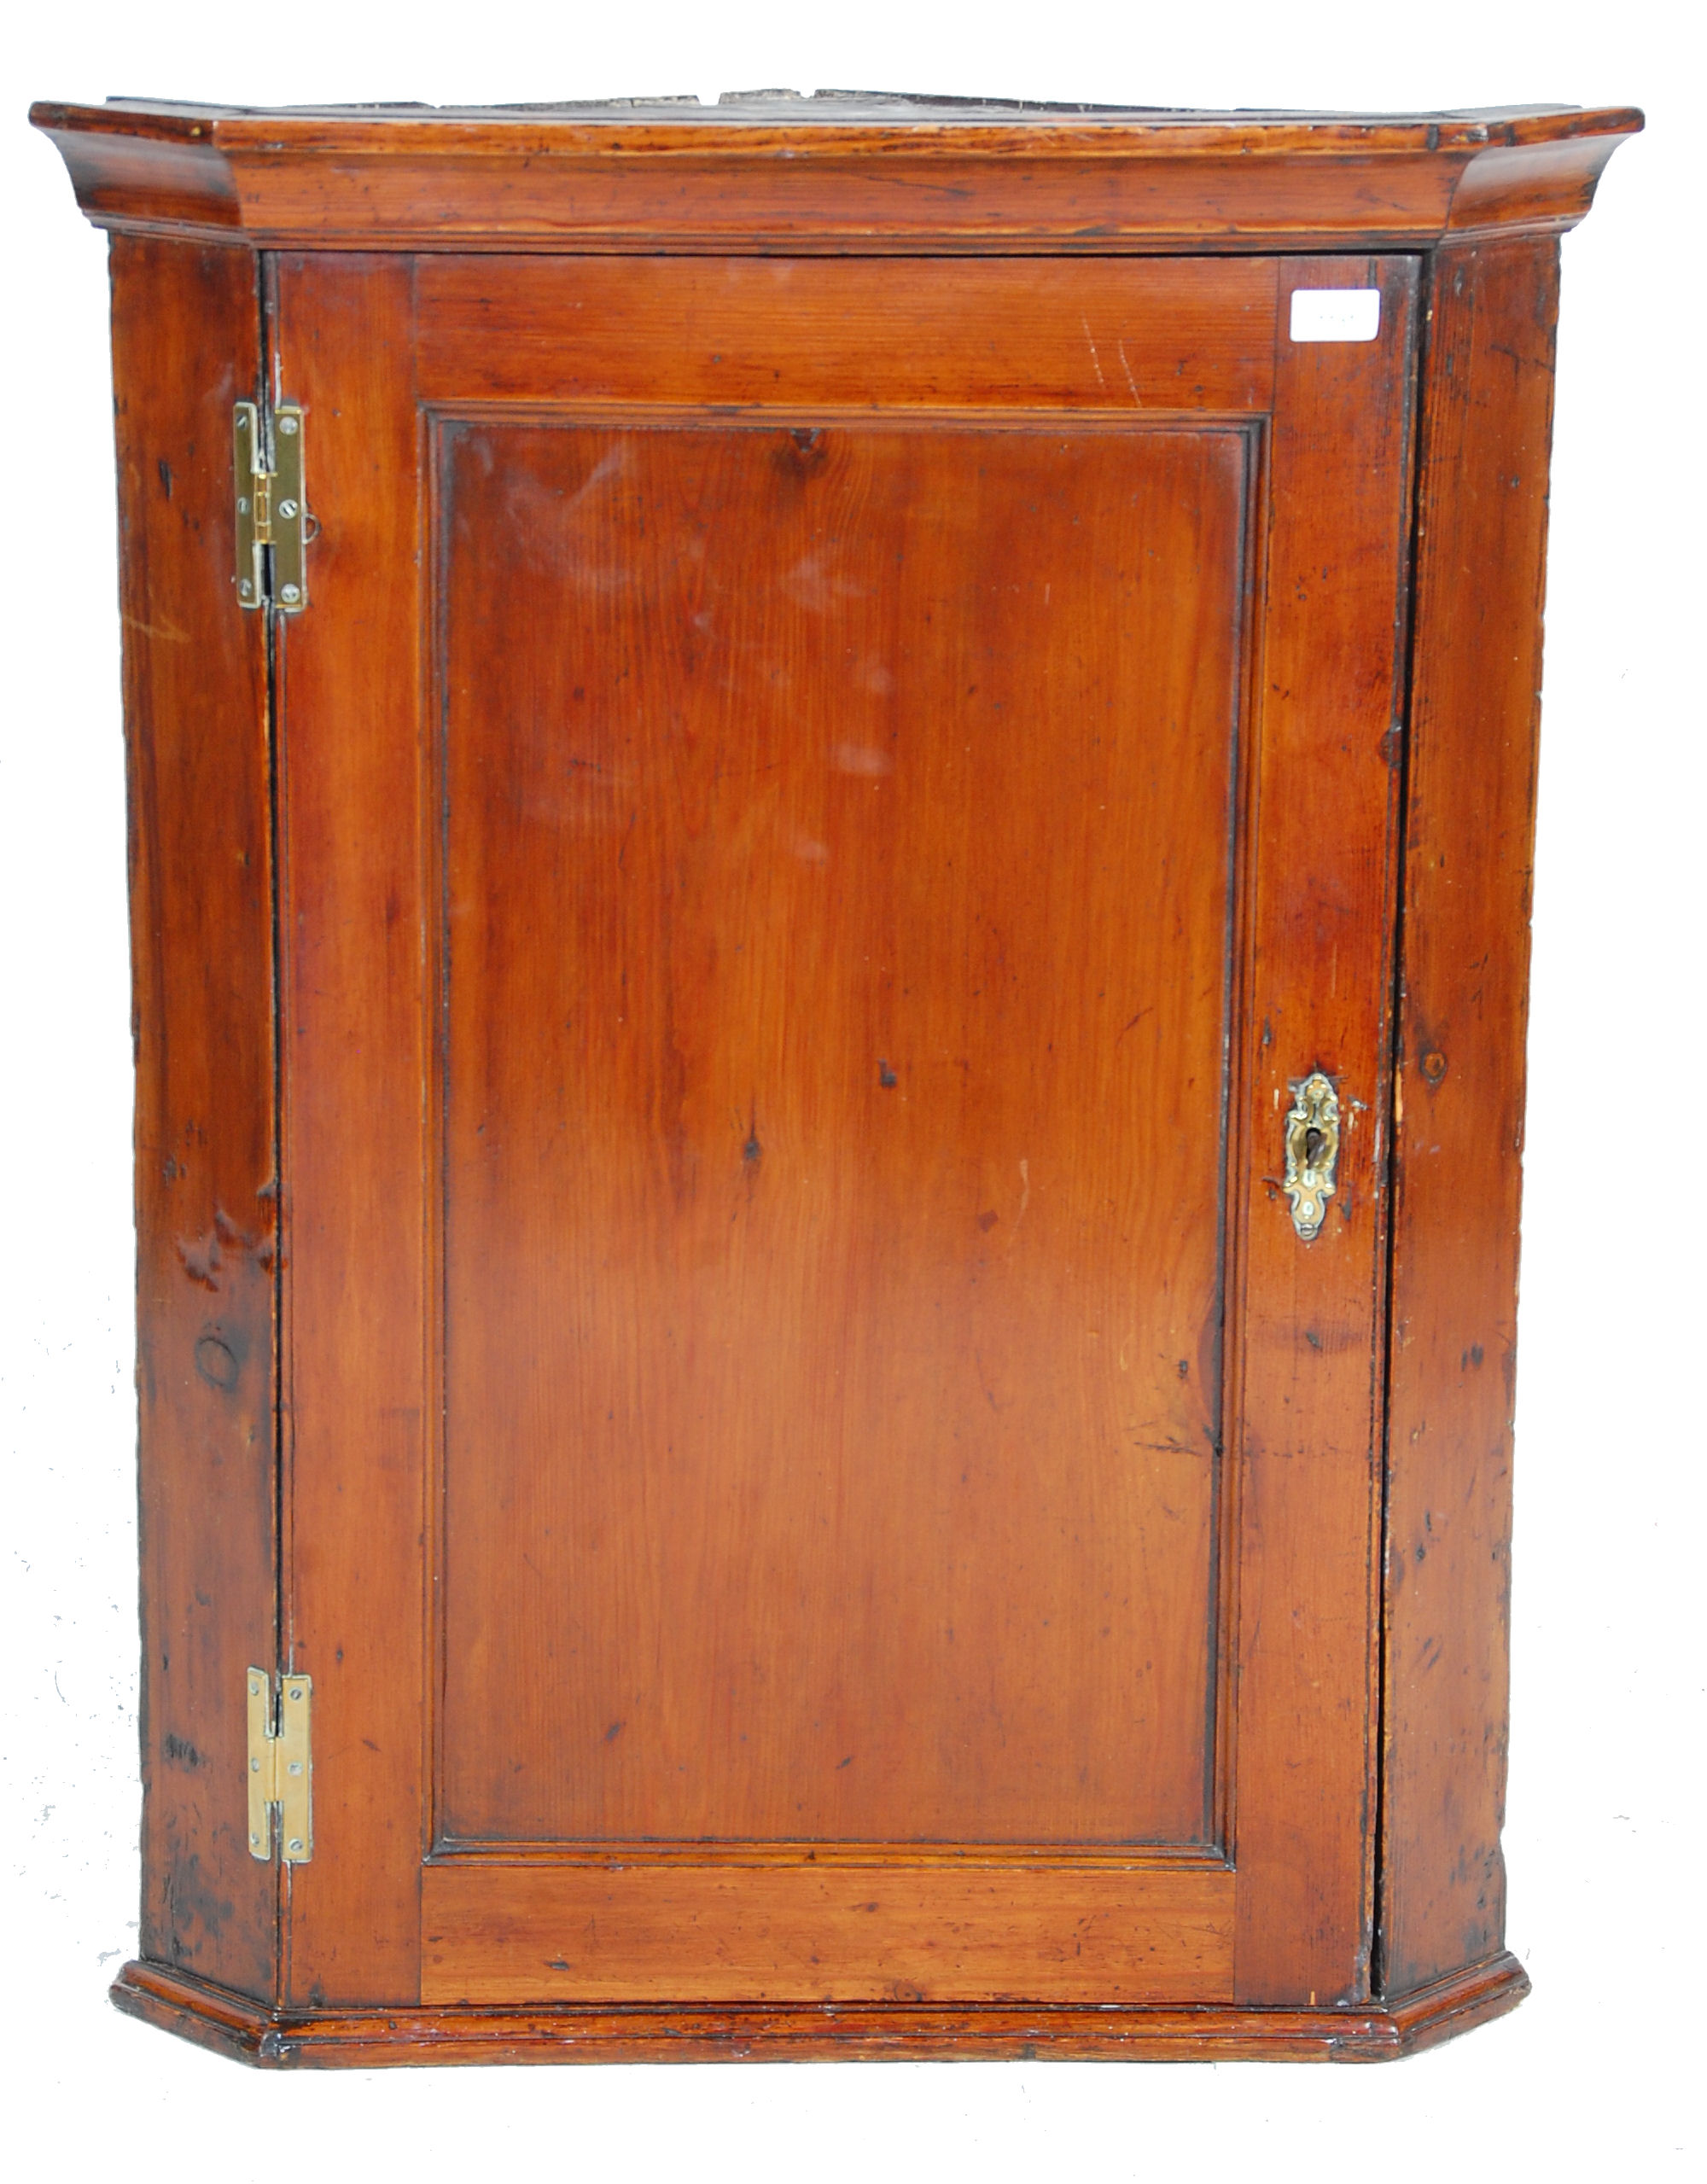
pixel 836 890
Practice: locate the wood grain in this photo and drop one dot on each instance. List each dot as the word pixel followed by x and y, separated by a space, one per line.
pixel 872 2031
pixel 1535 190
pixel 1481 535
pixel 845 760
pixel 186 344
pixel 803 1934
pixel 859 333
pixel 835 953
pixel 1321 970
pixel 806 177
pixel 355 1055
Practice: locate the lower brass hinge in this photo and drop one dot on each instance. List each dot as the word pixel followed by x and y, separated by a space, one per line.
pixel 272 516
pixel 281 1767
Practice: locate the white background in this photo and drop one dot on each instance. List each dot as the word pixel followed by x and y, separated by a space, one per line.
pixel 1592 2075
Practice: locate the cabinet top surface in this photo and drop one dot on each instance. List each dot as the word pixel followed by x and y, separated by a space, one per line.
pixel 1036 126
pixel 835 170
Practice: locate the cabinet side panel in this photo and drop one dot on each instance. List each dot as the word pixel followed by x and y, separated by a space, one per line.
pixel 1488 411
pixel 186 345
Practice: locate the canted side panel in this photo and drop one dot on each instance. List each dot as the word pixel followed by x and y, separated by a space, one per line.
pixel 1470 829
pixel 186 337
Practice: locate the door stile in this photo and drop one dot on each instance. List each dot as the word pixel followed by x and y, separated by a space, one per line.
pixel 353 994
pixel 1385 1110
pixel 1322 820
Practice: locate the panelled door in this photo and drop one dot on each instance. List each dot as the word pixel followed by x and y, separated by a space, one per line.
pixel 828 808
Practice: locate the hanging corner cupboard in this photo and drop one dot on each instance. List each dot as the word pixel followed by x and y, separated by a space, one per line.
pixel 830 814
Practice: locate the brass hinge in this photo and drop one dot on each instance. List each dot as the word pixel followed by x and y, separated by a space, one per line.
pixel 281 1767
pixel 272 518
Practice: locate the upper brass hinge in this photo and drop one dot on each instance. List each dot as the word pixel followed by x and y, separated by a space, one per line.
pixel 273 515
pixel 281 1767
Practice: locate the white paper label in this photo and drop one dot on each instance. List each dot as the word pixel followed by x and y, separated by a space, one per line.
pixel 1335 314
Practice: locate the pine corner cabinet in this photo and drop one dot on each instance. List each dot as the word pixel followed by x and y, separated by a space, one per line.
pixel 830 812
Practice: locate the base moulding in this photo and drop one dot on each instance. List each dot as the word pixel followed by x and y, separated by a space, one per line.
pixel 364 2039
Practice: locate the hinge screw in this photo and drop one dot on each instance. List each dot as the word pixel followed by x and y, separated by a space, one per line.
pixel 287 424
pixel 286 508
pixel 290 594
pixel 296 1841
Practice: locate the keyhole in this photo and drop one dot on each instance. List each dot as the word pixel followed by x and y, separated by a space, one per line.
pixel 1314 1143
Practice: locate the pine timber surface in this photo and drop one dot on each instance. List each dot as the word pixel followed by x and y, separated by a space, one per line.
pixel 1476 712
pixel 186 337
pixel 786 1538
pixel 813 1933
pixel 820 1380
pixel 715 1021
pixel 354 984
pixel 829 173
pixel 1302 1322
pixel 888 2032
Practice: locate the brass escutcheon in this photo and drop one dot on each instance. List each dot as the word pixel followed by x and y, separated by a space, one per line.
pixel 1312 1153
